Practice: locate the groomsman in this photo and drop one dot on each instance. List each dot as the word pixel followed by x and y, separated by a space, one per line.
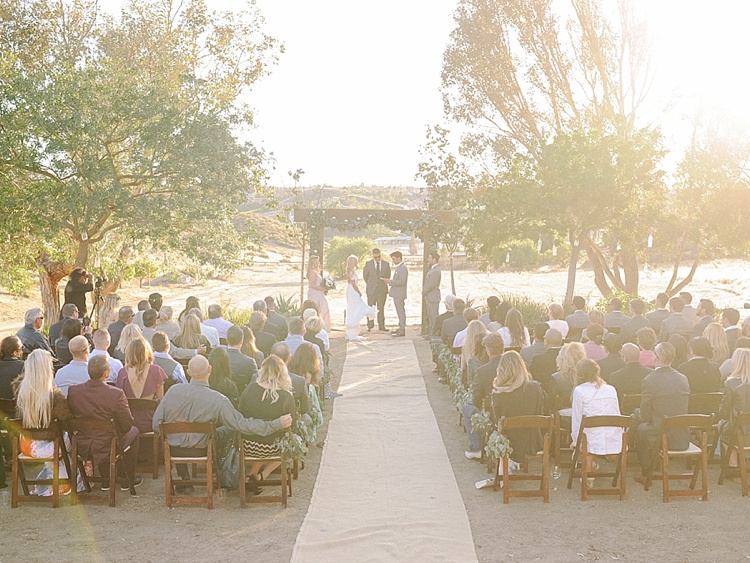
pixel 431 289
pixel 376 271
pixel 398 291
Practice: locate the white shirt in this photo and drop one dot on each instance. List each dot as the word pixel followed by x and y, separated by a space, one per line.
pixel 460 338
pixel 178 374
pixel 211 333
pixel 590 400
pixel 221 325
pixel 559 325
pixel 323 335
pixel 115 365
pixel 505 333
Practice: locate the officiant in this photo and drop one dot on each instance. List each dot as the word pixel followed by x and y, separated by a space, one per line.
pixel 375 271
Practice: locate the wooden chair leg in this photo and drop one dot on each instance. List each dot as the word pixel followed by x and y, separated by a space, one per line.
pixel 167 475
pixel 496 484
pixel 741 462
pixel 506 481
pixel 14 475
pixel 704 469
pixel 210 476
pixel 545 468
pixel 56 476
pixel 243 502
pixel 283 482
pixel 112 475
pixel 155 455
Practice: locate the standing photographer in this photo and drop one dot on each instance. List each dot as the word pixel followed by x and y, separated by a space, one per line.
pixel 81 283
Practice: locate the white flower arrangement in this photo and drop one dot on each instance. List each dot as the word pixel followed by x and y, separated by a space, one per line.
pixel 328 284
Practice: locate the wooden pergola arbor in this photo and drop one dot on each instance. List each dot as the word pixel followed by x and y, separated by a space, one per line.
pixel 418 221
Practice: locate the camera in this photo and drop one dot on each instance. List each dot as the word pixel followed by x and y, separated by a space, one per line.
pixel 100 281
pixel 86 321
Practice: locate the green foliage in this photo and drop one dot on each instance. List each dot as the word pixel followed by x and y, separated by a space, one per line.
pixel 16 279
pixel 287 306
pixel 603 303
pixel 141 269
pixel 340 248
pixel 531 310
pixel 523 254
pixel 498 446
pixel 481 422
pixel 235 315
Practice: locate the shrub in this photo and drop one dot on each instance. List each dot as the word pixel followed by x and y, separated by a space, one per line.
pixel 16 279
pixel 342 247
pixel 626 298
pixel 287 306
pixel 532 311
pixel 523 254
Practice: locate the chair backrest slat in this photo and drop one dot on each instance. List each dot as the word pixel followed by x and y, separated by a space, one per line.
pixel 610 421
pixel 704 403
pixel 186 428
pixel 7 408
pixel 86 425
pixel 142 405
pixel 702 421
pixel 529 421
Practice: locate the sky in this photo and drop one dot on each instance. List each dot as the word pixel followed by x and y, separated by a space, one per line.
pixel 350 99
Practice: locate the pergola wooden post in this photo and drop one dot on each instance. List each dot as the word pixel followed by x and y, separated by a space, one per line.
pixel 384 216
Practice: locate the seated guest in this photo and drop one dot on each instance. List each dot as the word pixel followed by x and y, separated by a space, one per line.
pixel 628 380
pixel 125 317
pixel 544 365
pixel 277 319
pixel 438 328
pixel 730 319
pixel 278 330
pixel 129 334
pixel 564 379
pixel 165 323
pixel 77 370
pixel 11 364
pixel 615 318
pixel 689 311
pixel 578 319
pixel 242 368
pixel 305 363
pixel 171 367
pixel 322 335
pixel 95 399
pixel 514 333
pixel 470 314
pixel 717 338
pixel 156 301
pixel 555 315
pixel 221 376
pixel 191 337
pixel 297 336
pixel 492 302
pixel 728 366
pixel 313 326
pixel 516 394
pixel 143 305
pixel 215 320
pixel 102 340
pixel 267 398
pixel 263 340
pixel 613 361
pixel 455 324
pixel 657 316
pixel 472 352
pixel 149 324
pixel 481 390
pixel 705 314
pixel 594 397
pixel 38 403
pixel 211 334
pixel 595 318
pixel 593 346
pixel 191 303
pixel 69 311
pixel 636 322
pixel 665 393
pixel 141 378
pixel 30 336
pixel 197 402
pixel 108 311
pixel 702 374
pixel 497 317
pixel 70 329
pixel 680 350
pixel 537 347
pixel 736 394
pixel 249 347
pixel 676 322
pixel 646 338
pixel 299 385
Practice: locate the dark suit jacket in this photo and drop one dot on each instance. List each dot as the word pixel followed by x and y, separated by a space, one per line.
pixel 609 365
pixel 373 285
pixel 628 330
pixel 703 375
pixel 242 368
pixel 10 369
pixel 733 333
pixel 655 318
pixel 438 328
pixel 281 323
pixel 701 325
pixel 482 386
pixel 676 323
pixel 543 365
pixel 96 399
pixel 451 327
pixel 115 330
pixel 56 329
pixel 629 380
pixel 264 341
pixel 665 393
pixel 312 339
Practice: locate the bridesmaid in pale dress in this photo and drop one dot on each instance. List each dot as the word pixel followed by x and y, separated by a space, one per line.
pixel 315 290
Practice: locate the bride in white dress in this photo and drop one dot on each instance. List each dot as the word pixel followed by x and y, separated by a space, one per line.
pixel 356 308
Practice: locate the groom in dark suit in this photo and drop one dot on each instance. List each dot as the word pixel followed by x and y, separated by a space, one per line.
pixel 375 271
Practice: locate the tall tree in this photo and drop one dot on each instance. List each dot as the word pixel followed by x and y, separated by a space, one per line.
pixel 125 129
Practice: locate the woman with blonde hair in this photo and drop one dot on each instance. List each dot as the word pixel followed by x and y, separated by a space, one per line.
pixel 108 311
pixel 141 378
pixel 736 395
pixel 267 398
pixel 516 394
pixel 129 334
pixel 191 336
pixel 717 337
pixel 249 347
pixel 316 291
pixel 39 402
pixel 165 323
pixel 514 334
pixel 356 307
pixel 564 379
pixel 472 352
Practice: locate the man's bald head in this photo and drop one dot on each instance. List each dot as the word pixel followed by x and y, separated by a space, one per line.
pixel 630 353
pixel 199 368
pixel 553 338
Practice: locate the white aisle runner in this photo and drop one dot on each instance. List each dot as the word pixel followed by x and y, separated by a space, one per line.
pixel 386 490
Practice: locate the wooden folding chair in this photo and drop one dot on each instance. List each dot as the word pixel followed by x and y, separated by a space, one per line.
pixel 79 427
pixel 562 429
pixel 149 406
pixel 581 456
pixel 284 479
pixel 699 424
pixel 53 433
pixel 209 460
pixel 707 403
pixel 735 442
pixel 629 403
pixel 545 425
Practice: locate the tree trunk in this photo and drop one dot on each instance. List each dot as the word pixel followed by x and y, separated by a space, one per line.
pixel 50 274
pixel 453 279
pixel 596 263
pixel 302 276
pixel 630 269
pixel 689 278
pixel 82 254
pixel 574 251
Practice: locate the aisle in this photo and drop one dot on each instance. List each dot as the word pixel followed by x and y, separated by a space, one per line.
pixel 386 490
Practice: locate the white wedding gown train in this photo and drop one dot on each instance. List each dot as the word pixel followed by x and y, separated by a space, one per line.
pixel 356 310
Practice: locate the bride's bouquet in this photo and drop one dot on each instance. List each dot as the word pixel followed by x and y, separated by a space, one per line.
pixel 328 284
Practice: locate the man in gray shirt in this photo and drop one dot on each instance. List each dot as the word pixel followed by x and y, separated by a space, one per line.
pixel 197 402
